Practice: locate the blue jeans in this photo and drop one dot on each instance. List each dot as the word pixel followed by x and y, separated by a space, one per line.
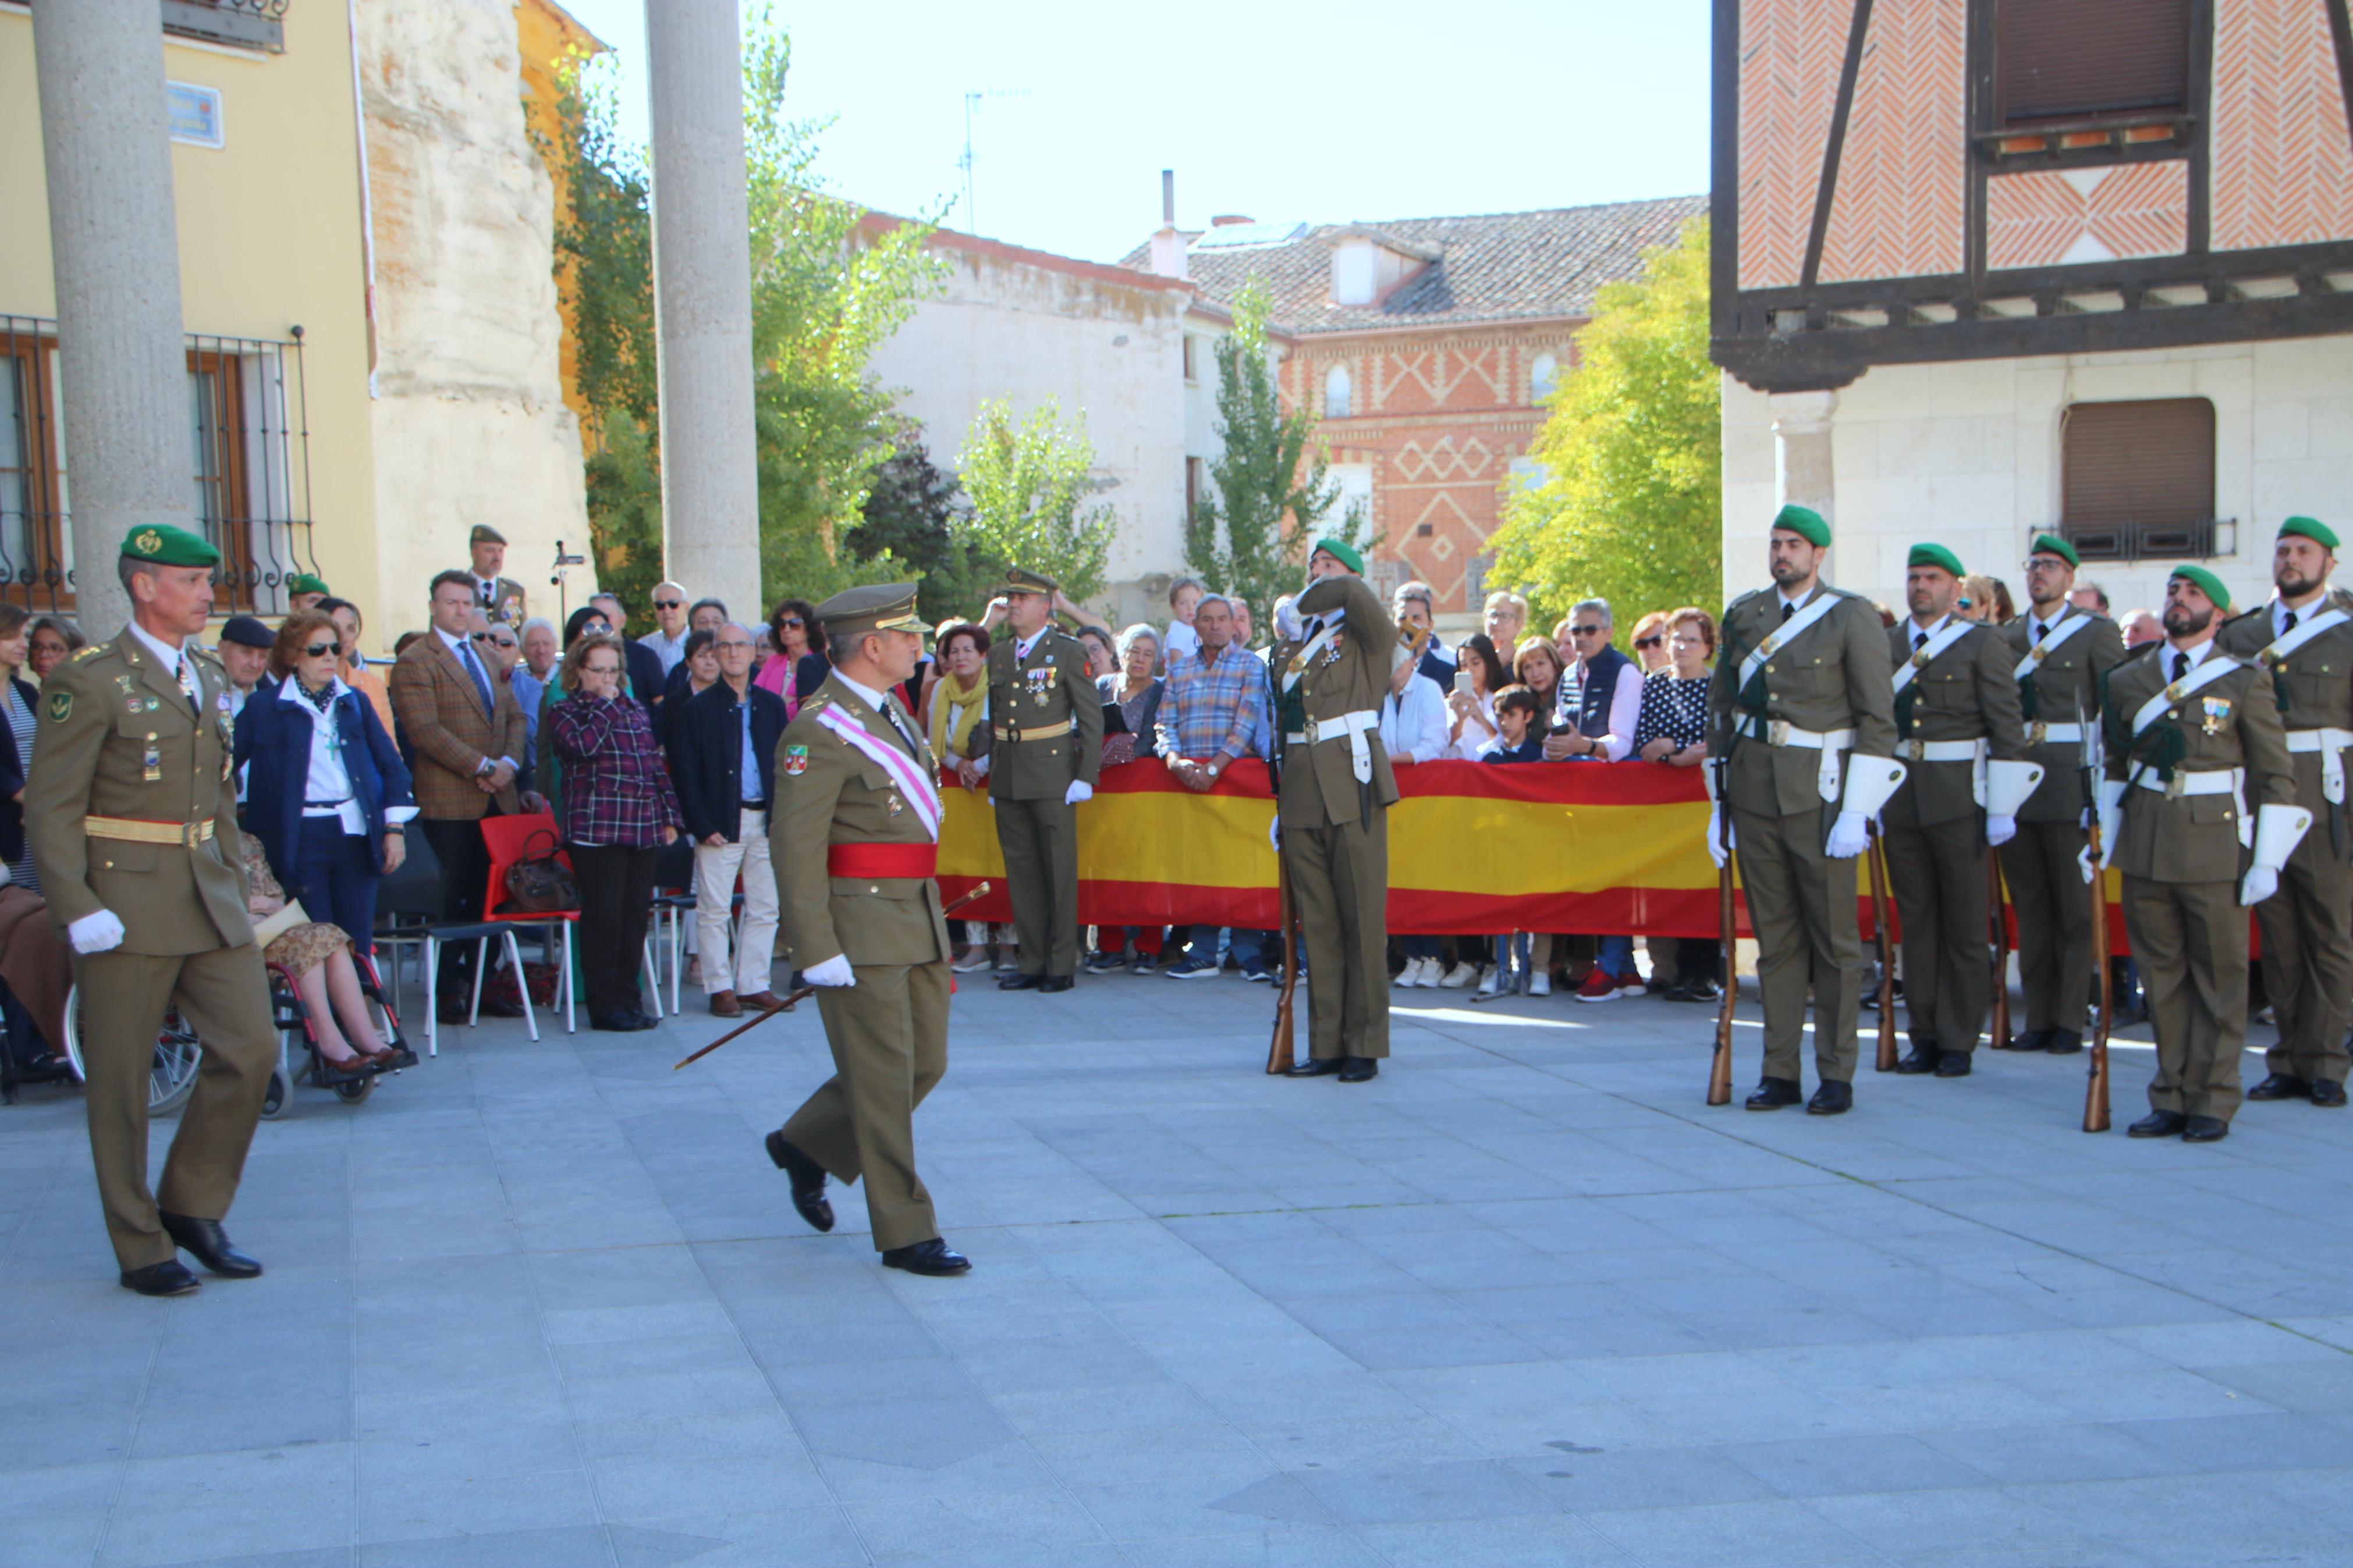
pixel 335 878
pixel 1617 956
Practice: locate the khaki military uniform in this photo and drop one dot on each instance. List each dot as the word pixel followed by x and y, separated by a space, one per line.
pixel 1336 845
pixel 1963 698
pixel 508 603
pixel 129 809
pixel 2307 925
pixel 888 1032
pixel 1044 732
pixel 1832 678
pixel 2181 855
pixel 2053 904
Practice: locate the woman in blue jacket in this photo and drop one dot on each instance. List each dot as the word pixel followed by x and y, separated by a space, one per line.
pixel 325 790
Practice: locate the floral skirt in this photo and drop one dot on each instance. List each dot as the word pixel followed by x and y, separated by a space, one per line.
pixel 303 949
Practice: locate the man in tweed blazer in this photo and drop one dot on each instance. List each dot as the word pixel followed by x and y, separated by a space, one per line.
pixel 467 732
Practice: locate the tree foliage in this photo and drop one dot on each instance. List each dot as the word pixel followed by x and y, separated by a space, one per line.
pixel 1630 509
pixel 1269 495
pixel 1028 480
pixel 913 512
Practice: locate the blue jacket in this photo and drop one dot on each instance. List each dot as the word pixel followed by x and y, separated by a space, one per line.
pixel 273 736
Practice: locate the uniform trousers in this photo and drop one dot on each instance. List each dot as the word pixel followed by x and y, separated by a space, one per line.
pixel 1801 905
pixel 1340 886
pixel 2054 922
pixel 889 1035
pixel 1939 877
pixel 2190 939
pixel 224 997
pixel 1039 839
pixel 2307 930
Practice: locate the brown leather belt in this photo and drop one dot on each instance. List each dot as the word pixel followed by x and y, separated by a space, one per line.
pixel 139 830
pixel 1020 733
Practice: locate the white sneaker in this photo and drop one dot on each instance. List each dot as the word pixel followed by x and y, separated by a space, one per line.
pixel 1540 983
pixel 1493 983
pixel 1405 977
pixel 1460 975
pixel 1429 977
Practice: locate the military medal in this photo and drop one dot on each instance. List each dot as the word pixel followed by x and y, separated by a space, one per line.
pixel 2217 709
pixel 894 807
pixel 153 763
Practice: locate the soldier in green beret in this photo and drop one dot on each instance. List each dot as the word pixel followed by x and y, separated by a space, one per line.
pixel 304 590
pixel 502 598
pixel 2304 636
pixel 133 823
pixel 2198 776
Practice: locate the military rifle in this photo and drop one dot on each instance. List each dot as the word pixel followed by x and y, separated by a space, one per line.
pixel 2092 765
pixel 1719 1066
pixel 1885 1061
pixel 2000 949
pixel 1282 1051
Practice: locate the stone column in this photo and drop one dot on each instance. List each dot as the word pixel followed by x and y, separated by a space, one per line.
pixel 702 298
pixel 1802 471
pixel 122 365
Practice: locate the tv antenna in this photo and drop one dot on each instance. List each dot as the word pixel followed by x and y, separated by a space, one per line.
pixel 972 100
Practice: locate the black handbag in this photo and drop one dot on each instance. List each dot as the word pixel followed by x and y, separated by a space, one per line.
pixel 538 883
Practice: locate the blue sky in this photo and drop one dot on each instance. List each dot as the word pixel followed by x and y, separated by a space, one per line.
pixel 1325 113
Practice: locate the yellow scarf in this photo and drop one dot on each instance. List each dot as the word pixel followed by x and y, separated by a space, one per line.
pixel 966 699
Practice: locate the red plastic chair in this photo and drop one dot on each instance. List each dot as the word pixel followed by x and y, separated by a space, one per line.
pixel 510 839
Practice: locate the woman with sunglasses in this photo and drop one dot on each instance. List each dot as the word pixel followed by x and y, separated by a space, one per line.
pixel 793 632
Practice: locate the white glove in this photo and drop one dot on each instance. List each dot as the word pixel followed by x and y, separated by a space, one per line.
pixel 99 932
pixel 1848 838
pixel 1719 837
pixel 1287 621
pixel 1078 794
pixel 1275 834
pixel 2083 864
pixel 2000 831
pixel 2260 883
pixel 834 971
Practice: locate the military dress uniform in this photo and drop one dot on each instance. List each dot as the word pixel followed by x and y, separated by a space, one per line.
pixel 1958 737
pixel 502 599
pixel 1333 794
pixel 1044 734
pixel 855 840
pixel 2059 692
pixel 130 808
pixel 2198 774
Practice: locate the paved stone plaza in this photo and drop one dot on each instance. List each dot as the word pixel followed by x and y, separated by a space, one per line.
pixel 1524 1300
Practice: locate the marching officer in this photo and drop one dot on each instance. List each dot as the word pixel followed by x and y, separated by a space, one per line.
pixel 2198 773
pixel 1042 753
pixel 1802 713
pixel 1335 650
pixel 2304 636
pixel 133 822
pixel 2061 654
pixel 1959 738
pixel 855 841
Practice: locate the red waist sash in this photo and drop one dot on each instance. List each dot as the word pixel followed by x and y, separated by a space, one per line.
pixel 881 860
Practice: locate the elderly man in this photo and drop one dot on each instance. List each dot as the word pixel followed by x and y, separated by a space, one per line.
pixel 723 756
pixel 2089 598
pixel 500 598
pixel 1507 617
pixel 650 683
pixel 1599 698
pixel 667 639
pixel 245 658
pixel 1210 712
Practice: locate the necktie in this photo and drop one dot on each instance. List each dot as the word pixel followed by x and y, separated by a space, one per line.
pixel 2042 630
pixel 1788 609
pixel 481 681
pixel 2291 623
pixel 1919 641
pixel 188 685
pixel 899 729
pixel 2181 665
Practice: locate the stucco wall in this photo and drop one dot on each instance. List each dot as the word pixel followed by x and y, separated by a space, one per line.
pixel 1968 455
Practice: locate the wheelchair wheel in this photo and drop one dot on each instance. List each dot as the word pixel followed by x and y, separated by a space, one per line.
pixel 278 1096
pixel 353 1093
pixel 172 1073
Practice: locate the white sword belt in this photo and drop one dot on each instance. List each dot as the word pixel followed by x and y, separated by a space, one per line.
pixel 2220 781
pixel 2039 733
pixel 1781 732
pixel 2330 743
pixel 1940 751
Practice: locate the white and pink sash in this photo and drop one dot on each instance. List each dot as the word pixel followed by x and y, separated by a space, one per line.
pixel 910 777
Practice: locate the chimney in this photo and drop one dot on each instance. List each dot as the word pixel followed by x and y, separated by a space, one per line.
pixel 1168 245
pixel 1228 220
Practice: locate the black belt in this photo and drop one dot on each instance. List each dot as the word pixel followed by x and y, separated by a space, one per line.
pixel 325 804
pixel 756 805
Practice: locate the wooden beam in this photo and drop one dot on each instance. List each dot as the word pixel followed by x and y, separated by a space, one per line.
pixel 1836 147
pixel 1723 175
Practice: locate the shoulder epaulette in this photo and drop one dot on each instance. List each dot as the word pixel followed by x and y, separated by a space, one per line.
pixel 1745 599
pixel 2140 652
pixel 88 650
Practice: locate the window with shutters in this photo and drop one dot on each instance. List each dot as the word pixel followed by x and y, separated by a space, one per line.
pixel 2061 60
pixel 2136 479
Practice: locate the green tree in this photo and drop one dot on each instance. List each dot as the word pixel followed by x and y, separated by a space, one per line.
pixel 1028 480
pixel 912 510
pixel 1269 495
pixel 1630 509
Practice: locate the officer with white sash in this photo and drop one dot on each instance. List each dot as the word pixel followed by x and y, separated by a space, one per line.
pixel 2304 636
pixel 1802 712
pixel 1959 737
pixel 2198 776
pixel 2060 653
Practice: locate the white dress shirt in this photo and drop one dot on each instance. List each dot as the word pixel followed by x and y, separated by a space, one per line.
pixel 1625 710
pixel 171 655
pixel 1413 723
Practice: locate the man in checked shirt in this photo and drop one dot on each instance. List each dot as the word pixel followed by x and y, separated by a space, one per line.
pixel 1209 715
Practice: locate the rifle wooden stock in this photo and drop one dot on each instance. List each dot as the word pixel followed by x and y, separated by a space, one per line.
pixel 2095 1089
pixel 799 993
pixel 1281 1051
pixel 2000 950
pixel 1719 1066
pixel 1885 1061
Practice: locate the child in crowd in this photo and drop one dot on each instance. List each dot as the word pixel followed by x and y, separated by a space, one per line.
pixel 1184 597
pixel 1517 710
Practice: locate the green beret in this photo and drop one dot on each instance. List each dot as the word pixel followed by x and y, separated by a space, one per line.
pixel 485 534
pixel 304 583
pixel 876 607
pixel 167 546
pixel 2312 528
pixel 2206 582
pixel 2051 544
pixel 1804 519
pixel 1936 555
pixel 1019 581
pixel 1345 555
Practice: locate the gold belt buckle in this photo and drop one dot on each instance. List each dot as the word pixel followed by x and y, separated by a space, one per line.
pixel 189 837
pixel 2177 785
pixel 2036 732
pixel 1777 731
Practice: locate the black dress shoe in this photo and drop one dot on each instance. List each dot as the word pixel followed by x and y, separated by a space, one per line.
pixel 1315 1067
pixel 2280 1086
pixel 450 1011
pixel 932 1257
pixel 169 1278
pixel 1953 1064
pixel 1022 982
pixel 1832 1099
pixel 1773 1093
pixel 499 1007
pixel 2028 1040
pixel 2205 1130
pixel 1920 1060
pixel 808 1179
pixel 2327 1092
pixel 2065 1042
pixel 1053 983
pixel 628 1021
pixel 2157 1124
pixel 210 1246
pixel 1356 1069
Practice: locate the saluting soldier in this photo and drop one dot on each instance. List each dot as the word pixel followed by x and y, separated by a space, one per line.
pixel 1331 662
pixel 2304 636
pixel 1802 713
pixel 2060 653
pixel 132 821
pixel 2198 774
pixel 1042 751
pixel 855 841
pixel 1959 737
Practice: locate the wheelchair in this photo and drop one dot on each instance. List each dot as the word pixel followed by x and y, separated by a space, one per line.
pixel 171 1075
pixel 292 1016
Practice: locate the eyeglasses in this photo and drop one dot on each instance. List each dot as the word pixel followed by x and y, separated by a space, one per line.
pixel 732 647
pixel 503 642
pixel 1651 641
pixel 484 637
pixel 669 604
pixel 794 622
pixel 1587 631
pixel 316 649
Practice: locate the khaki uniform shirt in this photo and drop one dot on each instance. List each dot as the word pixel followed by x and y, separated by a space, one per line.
pixel 2067 682
pixel 1349 674
pixel 1833 677
pixel 2231 722
pixel 116 738
pixel 1965 693
pixel 1050 687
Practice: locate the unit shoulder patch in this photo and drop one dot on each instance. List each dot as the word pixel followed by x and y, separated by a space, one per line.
pixel 60 706
pixel 795 760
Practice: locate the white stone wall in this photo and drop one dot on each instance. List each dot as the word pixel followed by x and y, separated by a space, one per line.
pixel 470 420
pixel 1968 455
